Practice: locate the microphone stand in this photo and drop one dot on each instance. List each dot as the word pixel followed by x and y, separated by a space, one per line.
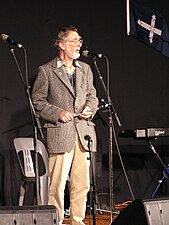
pixel 35 122
pixel 93 184
pixel 165 171
pixel 111 111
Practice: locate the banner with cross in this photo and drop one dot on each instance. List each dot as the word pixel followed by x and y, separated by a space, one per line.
pixel 148 26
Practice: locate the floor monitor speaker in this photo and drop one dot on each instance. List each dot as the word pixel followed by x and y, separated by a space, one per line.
pixel 29 215
pixel 147 212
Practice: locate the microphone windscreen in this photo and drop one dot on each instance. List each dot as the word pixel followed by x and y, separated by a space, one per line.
pixel 87 137
pixel 85 53
pixel 4 37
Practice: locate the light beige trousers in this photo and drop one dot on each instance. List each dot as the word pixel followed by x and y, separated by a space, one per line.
pixel 74 164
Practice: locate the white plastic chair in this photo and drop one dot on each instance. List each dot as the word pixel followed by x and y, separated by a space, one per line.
pixel 24 147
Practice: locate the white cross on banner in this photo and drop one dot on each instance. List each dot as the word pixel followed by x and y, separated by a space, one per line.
pixel 150 27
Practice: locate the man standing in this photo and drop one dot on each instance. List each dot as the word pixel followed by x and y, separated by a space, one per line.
pixel 64 96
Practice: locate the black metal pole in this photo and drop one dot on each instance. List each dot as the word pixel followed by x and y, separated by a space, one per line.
pixel 93 183
pixel 111 111
pixel 35 123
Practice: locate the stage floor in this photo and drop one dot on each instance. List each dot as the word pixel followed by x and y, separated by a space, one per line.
pixel 104 219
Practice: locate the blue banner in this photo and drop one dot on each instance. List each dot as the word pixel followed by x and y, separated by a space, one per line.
pixel 149 27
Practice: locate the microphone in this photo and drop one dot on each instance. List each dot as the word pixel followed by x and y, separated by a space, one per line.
pixel 87 137
pixel 5 37
pixel 86 53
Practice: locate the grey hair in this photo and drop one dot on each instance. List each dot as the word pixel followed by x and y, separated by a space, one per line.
pixel 61 34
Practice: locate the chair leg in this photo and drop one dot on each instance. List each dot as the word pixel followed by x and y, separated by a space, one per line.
pixel 44 188
pixel 22 194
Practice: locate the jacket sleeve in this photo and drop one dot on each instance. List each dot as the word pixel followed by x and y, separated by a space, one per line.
pixel 40 101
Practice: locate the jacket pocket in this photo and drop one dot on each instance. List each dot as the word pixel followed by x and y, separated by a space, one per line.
pixel 90 123
pixel 51 125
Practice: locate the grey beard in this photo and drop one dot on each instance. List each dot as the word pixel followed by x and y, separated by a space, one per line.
pixel 73 56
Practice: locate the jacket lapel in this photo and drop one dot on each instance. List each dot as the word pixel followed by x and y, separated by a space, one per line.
pixel 62 76
pixel 79 75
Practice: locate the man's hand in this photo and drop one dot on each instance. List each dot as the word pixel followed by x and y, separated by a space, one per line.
pixel 66 116
pixel 86 113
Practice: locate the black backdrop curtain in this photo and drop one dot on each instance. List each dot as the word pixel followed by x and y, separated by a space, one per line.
pixel 139 78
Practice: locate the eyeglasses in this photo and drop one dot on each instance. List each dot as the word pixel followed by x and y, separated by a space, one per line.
pixel 76 42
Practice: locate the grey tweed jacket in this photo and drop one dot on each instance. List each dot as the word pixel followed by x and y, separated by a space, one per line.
pixel 52 93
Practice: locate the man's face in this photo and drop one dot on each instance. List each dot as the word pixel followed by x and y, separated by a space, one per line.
pixel 72 45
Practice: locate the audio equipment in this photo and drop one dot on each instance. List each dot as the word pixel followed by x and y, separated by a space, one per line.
pixel 147 212
pixel 29 215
